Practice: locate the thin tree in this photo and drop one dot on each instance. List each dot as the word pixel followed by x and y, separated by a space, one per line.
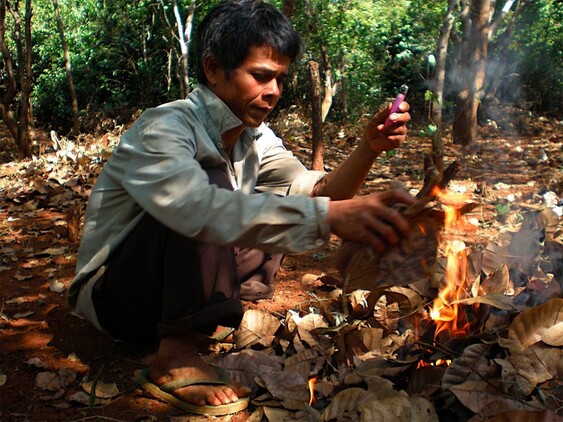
pixel 315 85
pixel 438 85
pixel 474 63
pixel 184 38
pixel 288 8
pixel 73 99
pixel 329 88
pixel 20 125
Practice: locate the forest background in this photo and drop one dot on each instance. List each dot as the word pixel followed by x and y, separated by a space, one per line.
pixel 70 65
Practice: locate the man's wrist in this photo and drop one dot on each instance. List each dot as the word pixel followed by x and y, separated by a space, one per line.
pixel 372 148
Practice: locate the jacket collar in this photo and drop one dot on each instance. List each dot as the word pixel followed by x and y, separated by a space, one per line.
pixel 220 115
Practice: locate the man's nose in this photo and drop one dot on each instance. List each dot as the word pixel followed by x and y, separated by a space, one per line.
pixel 273 88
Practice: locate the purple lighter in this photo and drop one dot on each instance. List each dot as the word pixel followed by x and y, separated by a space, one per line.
pixel 398 100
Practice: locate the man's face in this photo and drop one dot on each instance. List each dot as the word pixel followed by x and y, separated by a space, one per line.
pixel 254 88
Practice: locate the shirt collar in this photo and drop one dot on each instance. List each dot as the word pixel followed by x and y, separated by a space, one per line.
pixel 221 116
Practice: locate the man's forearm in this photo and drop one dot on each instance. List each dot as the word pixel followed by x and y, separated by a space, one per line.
pixel 347 179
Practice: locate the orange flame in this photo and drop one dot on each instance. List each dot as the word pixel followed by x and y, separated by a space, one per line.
pixel 312 382
pixel 439 362
pixel 448 315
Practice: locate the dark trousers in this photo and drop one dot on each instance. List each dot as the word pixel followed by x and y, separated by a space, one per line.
pixel 159 283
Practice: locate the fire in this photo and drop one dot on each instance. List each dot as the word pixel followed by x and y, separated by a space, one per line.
pixel 447 314
pixel 312 382
pixel 439 362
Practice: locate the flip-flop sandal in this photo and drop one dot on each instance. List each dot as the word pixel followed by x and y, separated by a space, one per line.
pixel 164 393
pixel 223 334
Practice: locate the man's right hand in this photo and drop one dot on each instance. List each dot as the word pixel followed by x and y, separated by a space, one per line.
pixel 370 219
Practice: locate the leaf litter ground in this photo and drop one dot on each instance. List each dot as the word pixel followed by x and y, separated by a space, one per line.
pixel 55 366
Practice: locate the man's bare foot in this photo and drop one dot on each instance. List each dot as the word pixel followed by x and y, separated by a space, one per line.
pixel 178 358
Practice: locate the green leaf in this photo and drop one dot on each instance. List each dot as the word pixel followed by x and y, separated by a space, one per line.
pixel 502 209
pixel 391 153
pixel 428 95
pixel 431 129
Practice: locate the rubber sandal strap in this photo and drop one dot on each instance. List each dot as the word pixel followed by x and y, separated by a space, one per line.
pixel 186 382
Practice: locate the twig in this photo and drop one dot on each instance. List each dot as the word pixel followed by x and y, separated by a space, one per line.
pixel 427 193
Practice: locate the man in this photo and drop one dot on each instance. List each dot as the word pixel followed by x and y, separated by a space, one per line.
pixel 200 196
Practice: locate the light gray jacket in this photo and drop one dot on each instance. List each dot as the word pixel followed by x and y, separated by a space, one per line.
pixel 157 168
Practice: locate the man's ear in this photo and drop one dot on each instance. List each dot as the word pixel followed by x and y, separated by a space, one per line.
pixel 212 69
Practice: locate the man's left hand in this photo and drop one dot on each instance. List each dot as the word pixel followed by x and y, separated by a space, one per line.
pixel 385 138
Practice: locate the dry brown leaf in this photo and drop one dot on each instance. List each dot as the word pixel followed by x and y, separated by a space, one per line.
pixel 521 416
pixel 301 362
pixel 21 315
pixel 494 257
pixel 553 336
pixel 83 398
pixel 498 282
pixel 397 408
pixel 256 327
pixel 53 251
pixel 472 365
pixel 408 262
pixel 345 403
pixel 309 279
pixel 529 326
pixel 287 386
pixel 358 300
pixel 102 390
pixel 49 381
pixel 426 381
pixel 55 381
pixel 378 365
pixel 512 382
pixel 245 365
pixel 498 300
pixel 371 337
pixel 408 300
pixel 277 414
pixel 546 362
pixel 38 363
pixel 487 399
pixel 309 323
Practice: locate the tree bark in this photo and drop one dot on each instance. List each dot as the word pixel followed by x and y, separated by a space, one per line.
pixel 8 93
pixel 184 37
pixel 288 8
pixel 465 127
pixel 315 81
pixel 26 132
pixel 73 99
pixel 329 88
pixel 502 42
pixel 20 125
pixel 438 85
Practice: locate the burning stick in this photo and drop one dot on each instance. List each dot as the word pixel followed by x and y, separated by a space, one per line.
pixel 410 260
pixel 433 184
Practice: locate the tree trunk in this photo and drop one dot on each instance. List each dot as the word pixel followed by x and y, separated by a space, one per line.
pixel 26 132
pixel 439 78
pixel 502 43
pixel 10 92
pixel 74 100
pixel 329 88
pixel 184 73
pixel 288 8
pixel 465 126
pixel 20 125
pixel 315 80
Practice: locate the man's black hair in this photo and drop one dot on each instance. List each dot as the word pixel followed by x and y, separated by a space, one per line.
pixel 234 26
